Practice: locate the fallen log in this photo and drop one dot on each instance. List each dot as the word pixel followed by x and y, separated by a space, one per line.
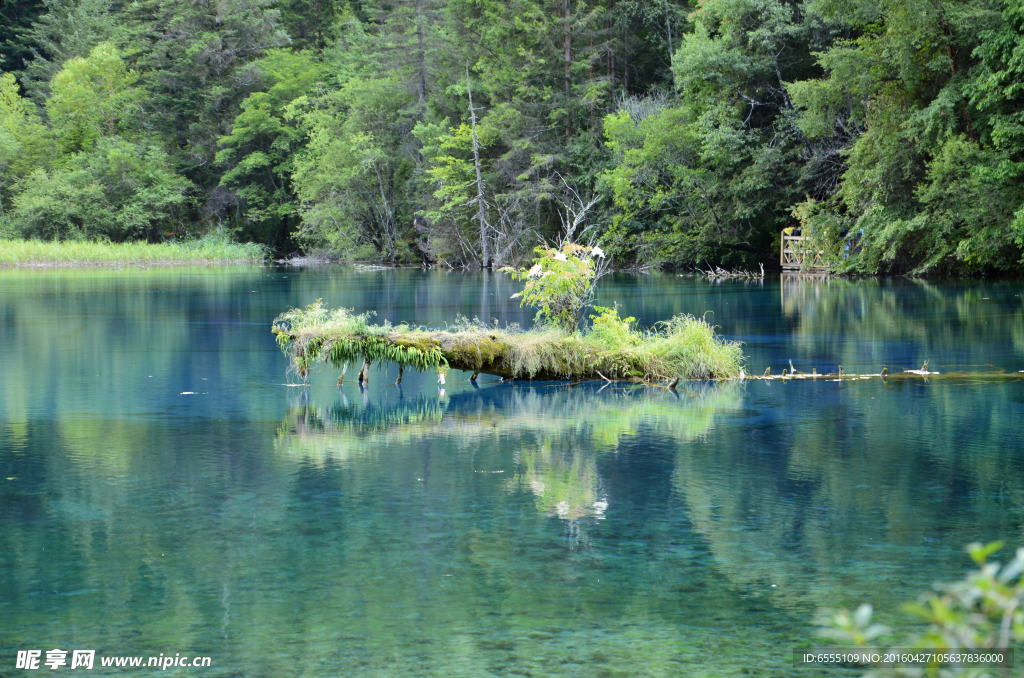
pixel 922 374
pixel 682 348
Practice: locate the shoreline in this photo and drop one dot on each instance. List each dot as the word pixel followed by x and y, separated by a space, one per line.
pixel 160 263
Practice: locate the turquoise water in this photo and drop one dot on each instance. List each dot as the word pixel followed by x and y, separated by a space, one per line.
pixel 165 488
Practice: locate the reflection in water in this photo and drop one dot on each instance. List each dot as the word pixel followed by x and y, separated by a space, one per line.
pixel 555 433
pixel 871 323
pixel 859 490
pixel 512 530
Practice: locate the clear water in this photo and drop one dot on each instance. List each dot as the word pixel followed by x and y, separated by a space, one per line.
pixel 502 531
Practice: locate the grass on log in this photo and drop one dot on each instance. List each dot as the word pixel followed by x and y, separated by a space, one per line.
pixel 684 347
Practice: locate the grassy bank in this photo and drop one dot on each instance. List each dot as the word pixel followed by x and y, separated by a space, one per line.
pixel 88 253
pixel 681 348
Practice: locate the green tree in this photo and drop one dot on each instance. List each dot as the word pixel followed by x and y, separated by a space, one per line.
pixel 561 283
pixel 261 149
pixel 16 17
pixel 24 142
pixel 118 190
pixel 352 179
pixel 198 63
pixel 920 156
pixel 713 171
pixel 94 97
pixel 67 29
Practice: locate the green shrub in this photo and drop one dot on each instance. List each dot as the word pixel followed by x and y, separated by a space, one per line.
pixel 983 611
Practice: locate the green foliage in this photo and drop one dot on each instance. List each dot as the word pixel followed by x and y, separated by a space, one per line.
pixel 352 178
pixel 981 612
pixel 24 142
pixel 261 149
pixel 213 248
pixel 16 18
pixel 449 154
pixel 611 330
pixel 560 283
pixel 118 190
pixel 198 61
pixel 66 29
pixel 673 133
pixel 94 98
pixel 712 174
pixel 931 177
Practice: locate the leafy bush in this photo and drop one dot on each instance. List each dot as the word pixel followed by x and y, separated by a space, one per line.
pixel 983 611
pixel 611 330
pixel 560 283
pixel 118 190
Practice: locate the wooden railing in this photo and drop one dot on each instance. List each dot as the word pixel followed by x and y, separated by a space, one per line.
pixel 797 256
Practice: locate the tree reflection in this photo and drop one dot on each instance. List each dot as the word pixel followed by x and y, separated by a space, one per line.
pixel 556 434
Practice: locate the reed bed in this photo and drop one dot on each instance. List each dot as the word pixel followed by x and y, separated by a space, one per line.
pixel 90 253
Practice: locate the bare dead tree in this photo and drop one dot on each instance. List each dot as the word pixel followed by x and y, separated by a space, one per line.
pixel 511 233
pixel 573 215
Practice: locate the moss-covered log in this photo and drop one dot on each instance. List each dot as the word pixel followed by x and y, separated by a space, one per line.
pixel 437 350
pixel 684 347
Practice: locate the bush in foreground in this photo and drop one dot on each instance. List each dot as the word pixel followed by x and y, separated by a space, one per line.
pixel 982 612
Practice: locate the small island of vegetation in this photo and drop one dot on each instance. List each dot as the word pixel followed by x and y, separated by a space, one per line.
pixel 561 285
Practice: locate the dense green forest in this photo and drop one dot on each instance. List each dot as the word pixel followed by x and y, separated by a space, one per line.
pixel 678 133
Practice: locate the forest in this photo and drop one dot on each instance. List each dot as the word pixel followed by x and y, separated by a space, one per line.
pixel 468 132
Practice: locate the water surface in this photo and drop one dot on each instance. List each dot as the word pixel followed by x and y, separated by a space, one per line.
pixel 164 487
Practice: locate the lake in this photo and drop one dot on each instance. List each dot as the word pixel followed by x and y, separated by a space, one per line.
pixel 167 487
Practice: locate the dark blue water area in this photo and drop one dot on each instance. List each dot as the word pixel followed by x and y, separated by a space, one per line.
pixel 166 486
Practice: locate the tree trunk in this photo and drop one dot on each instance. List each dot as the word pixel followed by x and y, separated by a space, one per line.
pixel 671 49
pixel 422 56
pixel 485 250
pixel 610 41
pixel 568 69
pixel 487 353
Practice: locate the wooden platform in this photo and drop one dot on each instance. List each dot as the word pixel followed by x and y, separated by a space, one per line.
pixel 795 256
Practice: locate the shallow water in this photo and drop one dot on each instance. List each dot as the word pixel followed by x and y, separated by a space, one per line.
pixel 163 488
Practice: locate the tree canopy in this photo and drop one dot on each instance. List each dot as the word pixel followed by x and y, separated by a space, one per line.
pixel 673 133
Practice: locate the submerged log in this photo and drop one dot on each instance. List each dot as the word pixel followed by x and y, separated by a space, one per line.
pixel 923 374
